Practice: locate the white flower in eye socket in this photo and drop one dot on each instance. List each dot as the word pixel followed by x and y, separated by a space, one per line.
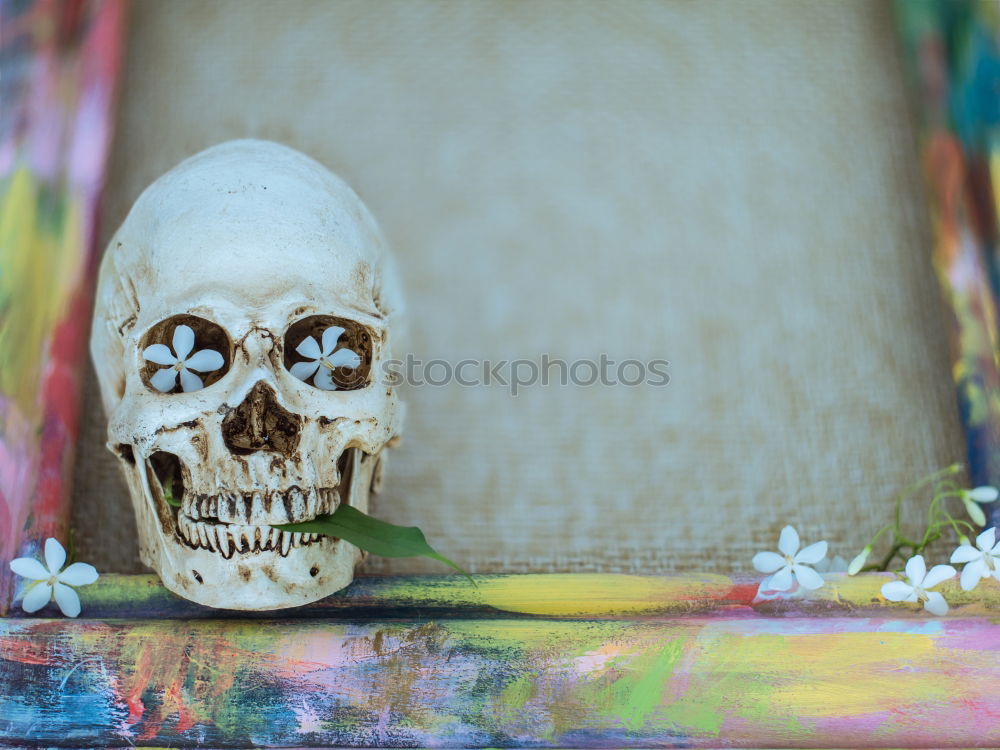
pixel 919 579
pixel 324 359
pixel 49 581
pixel 206 360
pixel 791 564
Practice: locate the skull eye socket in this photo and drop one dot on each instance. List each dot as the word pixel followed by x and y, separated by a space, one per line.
pixel 184 353
pixel 330 353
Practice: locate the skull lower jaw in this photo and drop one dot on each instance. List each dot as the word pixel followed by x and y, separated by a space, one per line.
pixel 264 581
pixel 246 566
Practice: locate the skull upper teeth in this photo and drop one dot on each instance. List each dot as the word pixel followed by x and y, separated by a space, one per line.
pixel 227 539
pixel 224 523
pixel 276 507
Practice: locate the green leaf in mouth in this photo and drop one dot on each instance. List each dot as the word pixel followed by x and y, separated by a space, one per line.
pixel 168 495
pixel 372 535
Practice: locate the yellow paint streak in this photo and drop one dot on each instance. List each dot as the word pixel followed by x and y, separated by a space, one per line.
pixel 866 591
pixel 599 595
pixel 828 676
pixel 41 257
pixel 829 668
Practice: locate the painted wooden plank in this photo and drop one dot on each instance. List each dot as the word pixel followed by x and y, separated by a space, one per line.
pixel 952 51
pixel 60 68
pixel 572 596
pixel 687 682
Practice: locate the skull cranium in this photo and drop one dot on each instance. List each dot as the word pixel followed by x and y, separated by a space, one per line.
pixel 247 250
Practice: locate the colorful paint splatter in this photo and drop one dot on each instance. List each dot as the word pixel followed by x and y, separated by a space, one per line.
pixel 522 661
pixel 59 63
pixel 954 57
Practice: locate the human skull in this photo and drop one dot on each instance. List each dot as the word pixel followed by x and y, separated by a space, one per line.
pixel 247 250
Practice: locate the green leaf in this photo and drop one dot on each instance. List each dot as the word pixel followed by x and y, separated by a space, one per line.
pixel 168 495
pixel 372 535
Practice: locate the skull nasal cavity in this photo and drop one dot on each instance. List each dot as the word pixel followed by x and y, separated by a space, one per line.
pixel 261 424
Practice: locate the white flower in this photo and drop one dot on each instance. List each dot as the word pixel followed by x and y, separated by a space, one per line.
pixel 984 494
pixel 48 582
pixel 791 562
pixel 979 563
pixel 919 580
pixel 326 357
pixel 206 360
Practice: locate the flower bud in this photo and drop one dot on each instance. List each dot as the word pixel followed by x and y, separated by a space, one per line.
pixel 984 494
pixel 858 562
pixel 974 511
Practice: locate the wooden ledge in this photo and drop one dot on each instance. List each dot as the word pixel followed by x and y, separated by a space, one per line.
pixel 562 596
pixel 524 660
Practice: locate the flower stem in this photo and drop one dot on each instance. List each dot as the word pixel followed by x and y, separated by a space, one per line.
pixel 937 517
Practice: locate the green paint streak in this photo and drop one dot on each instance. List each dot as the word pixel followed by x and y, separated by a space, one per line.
pixel 637 694
pixel 518 692
pixel 704 718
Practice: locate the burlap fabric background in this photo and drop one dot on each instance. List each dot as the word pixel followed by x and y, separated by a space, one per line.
pixel 727 185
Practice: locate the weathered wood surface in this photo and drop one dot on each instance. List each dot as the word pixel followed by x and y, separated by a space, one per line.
pixel 713 682
pixel 570 661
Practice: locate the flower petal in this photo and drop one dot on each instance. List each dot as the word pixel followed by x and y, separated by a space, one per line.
pixel 330 338
pixel 304 370
pixel 768 562
pixel 974 511
pixel 183 341
pixel 987 539
pixel 345 358
pixel 788 542
pixel 164 380
pixel 984 494
pixel 67 600
pixel 916 569
pixel 309 348
pixel 29 568
pixel 812 554
pixel 807 577
pixel 160 354
pixel 938 574
pixel 936 604
pixel 782 580
pixel 37 598
pixel 324 379
pixel 966 553
pixel 973 573
pixel 79 574
pixel 207 360
pixel 190 381
pixel 898 591
pixel 55 555
pixel 858 562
